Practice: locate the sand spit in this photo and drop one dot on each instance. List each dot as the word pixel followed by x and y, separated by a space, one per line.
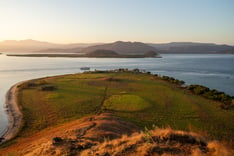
pixel 14 114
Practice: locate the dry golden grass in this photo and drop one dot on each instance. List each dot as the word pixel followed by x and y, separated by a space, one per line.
pixel 107 135
pixel 82 133
pixel 160 142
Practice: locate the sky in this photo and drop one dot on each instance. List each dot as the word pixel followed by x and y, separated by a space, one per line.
pixel 152 21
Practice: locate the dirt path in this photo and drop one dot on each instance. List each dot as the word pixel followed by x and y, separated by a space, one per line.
pixel 14 114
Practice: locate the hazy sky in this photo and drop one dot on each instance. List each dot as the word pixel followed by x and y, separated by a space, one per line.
pixel 66 21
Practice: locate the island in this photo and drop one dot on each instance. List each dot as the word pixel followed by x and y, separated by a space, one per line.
pixel 100 53
pixel 118 112
pixel 117 49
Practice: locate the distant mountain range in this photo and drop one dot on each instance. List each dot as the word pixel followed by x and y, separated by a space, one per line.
pixel 193 48
pixel 123 48
pixel 32 46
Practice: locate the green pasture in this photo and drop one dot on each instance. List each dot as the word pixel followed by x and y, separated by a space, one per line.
pixel 143 99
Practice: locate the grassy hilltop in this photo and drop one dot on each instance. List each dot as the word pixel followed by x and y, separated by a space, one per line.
pixel 112 112
pixel 143 99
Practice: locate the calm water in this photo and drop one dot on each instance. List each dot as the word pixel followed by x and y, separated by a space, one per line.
pixel 214 71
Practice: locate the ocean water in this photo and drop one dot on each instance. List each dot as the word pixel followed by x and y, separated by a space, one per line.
pixel 213 71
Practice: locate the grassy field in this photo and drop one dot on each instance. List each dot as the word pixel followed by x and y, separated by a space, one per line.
pixel 143 99
pixel 128 103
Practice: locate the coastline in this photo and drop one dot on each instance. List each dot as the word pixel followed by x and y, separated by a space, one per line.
pixel 14 113
pixel 82 56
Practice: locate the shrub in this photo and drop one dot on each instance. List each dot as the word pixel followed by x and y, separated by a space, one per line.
pixel 48 88
pixel 136 70
pixel 173 80
pixel 212 94
pixel 31 84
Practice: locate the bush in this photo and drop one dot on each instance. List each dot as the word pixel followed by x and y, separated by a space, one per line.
pixel 199 90
pixel 173 80
pixel 136 70
pixel 212 94
pixel 48 88
pixel 31 84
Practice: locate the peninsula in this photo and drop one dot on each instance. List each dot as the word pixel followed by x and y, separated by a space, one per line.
pixel 79 114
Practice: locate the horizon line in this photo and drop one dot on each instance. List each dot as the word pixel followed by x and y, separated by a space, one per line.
pixel 67 43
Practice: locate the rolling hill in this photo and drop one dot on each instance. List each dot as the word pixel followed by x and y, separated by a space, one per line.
pixel 193 48
pixel 112 112
pixel 33 46
pixel 123 48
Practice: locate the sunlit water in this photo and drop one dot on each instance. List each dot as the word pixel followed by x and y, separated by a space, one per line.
pixel 214 71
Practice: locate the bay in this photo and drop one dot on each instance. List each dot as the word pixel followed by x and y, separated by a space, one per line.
pixel 214 70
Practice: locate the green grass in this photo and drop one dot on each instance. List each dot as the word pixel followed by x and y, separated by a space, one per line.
pixel 128 103
pixel 140 98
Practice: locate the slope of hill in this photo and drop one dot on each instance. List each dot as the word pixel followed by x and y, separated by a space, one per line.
pixel 123 48
pixel 59 50
pixel 69 48
pixel 191 48
pixel 102 53
pixel 110 104
pixel 108 135
pixel 147 95
pixel 32 46
pixel 25 45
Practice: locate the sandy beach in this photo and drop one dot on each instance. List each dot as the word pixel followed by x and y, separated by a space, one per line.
pixel 14 114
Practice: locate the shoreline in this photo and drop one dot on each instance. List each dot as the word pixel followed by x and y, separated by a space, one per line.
pixel 14 113
pixel 82 56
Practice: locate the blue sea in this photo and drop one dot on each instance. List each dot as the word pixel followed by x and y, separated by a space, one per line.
pixel 213 71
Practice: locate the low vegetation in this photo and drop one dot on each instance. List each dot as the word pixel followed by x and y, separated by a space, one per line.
pixel 158 142
pixel 135 96
pixel 226 100
pixel 173 80
pixel 108 135
pixel 48 88
pixel 126 103
pixel 138 97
